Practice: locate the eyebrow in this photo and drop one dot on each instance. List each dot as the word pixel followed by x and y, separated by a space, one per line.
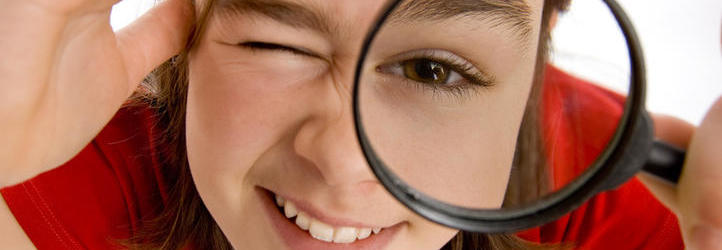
pixel 289 13
pixel 515 13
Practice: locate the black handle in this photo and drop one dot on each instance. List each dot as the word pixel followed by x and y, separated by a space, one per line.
pixel 665 161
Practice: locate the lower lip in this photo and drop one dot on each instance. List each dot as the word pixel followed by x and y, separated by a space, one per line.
pixel 297 239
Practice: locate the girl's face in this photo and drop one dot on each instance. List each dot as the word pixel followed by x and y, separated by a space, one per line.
pixel 269 114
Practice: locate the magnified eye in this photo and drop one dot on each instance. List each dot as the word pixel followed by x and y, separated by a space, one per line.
pixel 429 71
pixel 437 70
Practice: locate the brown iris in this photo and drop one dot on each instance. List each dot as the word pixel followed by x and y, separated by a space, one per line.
pixel 426 71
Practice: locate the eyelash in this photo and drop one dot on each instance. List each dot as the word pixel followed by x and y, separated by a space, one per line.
pixel 455 63
pixel 475 79
pixel 255 45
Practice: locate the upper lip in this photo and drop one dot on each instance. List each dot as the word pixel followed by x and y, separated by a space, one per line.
pixel 312 211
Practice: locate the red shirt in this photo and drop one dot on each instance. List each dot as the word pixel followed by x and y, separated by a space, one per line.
pixel 628 217
pixel 103 193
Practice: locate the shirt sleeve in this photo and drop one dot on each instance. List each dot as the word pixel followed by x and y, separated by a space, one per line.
pixel 626 218
pixel 584 116
pixel 99 197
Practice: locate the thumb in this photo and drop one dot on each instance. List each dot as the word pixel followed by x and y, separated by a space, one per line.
pixel 155 37
pixel 699 194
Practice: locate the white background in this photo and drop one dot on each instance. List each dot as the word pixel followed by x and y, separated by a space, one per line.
pixel 681 41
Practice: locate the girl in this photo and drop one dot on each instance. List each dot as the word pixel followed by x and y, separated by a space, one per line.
pixel 244 138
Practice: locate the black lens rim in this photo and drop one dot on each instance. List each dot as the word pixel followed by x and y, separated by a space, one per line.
pixel 623 157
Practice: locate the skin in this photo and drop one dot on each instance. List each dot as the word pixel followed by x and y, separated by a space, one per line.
pixel 416 131
pixel 63 103
pixel 63 100
pixel 282 121
pixel 696 198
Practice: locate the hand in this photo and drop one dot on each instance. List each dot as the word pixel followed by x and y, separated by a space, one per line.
pixel 697 198
pixel 64 73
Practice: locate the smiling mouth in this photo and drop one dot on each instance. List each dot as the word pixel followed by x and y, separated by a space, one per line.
pixel 321 230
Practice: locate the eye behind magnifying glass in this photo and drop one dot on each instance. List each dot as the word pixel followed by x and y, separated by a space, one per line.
pixel 437 70
pixel 487 168
pixel 429 72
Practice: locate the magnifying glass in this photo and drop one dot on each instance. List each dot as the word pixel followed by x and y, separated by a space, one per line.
pixel 472 118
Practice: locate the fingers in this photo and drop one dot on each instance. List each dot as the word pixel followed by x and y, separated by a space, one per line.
pixel 678 133
pixel 697 198
pixel 155 37
pixel 699 195
pixel 673 130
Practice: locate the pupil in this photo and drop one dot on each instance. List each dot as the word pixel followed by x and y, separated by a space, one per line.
pixel 429 70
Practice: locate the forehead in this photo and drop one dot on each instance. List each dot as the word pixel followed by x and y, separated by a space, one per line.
pixel 339 16
pixel 327 17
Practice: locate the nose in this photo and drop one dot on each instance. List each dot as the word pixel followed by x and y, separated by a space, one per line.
pixel 328 140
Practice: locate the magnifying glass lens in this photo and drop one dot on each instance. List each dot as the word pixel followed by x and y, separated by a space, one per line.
pixel 474 107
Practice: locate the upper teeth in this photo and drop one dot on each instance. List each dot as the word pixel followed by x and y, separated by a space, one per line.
pixel 323 231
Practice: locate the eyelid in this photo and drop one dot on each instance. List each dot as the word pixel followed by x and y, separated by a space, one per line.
pixel 457 63
pixel 258 45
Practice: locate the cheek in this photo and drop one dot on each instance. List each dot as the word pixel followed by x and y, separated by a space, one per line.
pixel 236 111
pixel 458 150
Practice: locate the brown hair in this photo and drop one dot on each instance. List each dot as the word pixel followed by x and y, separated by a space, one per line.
pixel 185 221
pixel 529 178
